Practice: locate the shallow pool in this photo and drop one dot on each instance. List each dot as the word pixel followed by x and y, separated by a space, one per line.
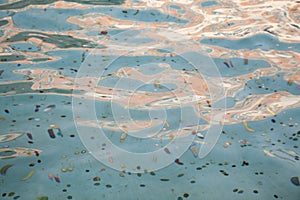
pixel 149 99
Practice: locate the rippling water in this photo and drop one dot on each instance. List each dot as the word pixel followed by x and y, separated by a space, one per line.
pixel 149 99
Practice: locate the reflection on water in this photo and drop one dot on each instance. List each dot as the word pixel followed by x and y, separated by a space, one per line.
pixel 139 86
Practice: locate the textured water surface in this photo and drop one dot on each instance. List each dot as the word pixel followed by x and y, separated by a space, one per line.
pixel 78 78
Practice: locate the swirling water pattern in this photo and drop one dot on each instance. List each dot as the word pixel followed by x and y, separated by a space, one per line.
pixel 255 46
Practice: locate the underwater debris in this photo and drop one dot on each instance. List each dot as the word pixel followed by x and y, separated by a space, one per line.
pixel 270 111
pixel 4 169
pixel 31 164
pixel 283 154
pixel 199 135
pixel 70 168
pixel 295 181
pixel 155 84
pixel 50 176
pixel 37 107
pixel 51 133
pixel 96 178
pixel 57 129
pixel 227 144
pixel 63 169
pixel 167 150
pixel 8 153
pixel 103 32
pixel 240 191
pixel 36 153
pixel 83 57
pixel 167 124
pixel 245 163
pixel 224 172
pixel 123 136
pixel 11 194
pixel 231 64
pixel 186 195
pixel 227 65
pixel 42 198
pixel 245 123
pixel 29 135
pixel 164 179
pixel 10 136
pixel 178 161
pixel 194 149
pixel 48 108
pixel 122 165
pixel 57 179
pixel 29 175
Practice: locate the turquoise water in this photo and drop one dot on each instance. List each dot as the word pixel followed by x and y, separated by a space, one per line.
pixel 149 100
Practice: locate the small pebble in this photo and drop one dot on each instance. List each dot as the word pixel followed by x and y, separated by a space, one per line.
pixel 42 198
pixel 96 178
pixel 11 194
pixel 245 163
pixel 152 173
pixel 70 169
pixel 186 195
pixel 103 32
pixel 295 180
pixel 31 164
pixel 240 191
